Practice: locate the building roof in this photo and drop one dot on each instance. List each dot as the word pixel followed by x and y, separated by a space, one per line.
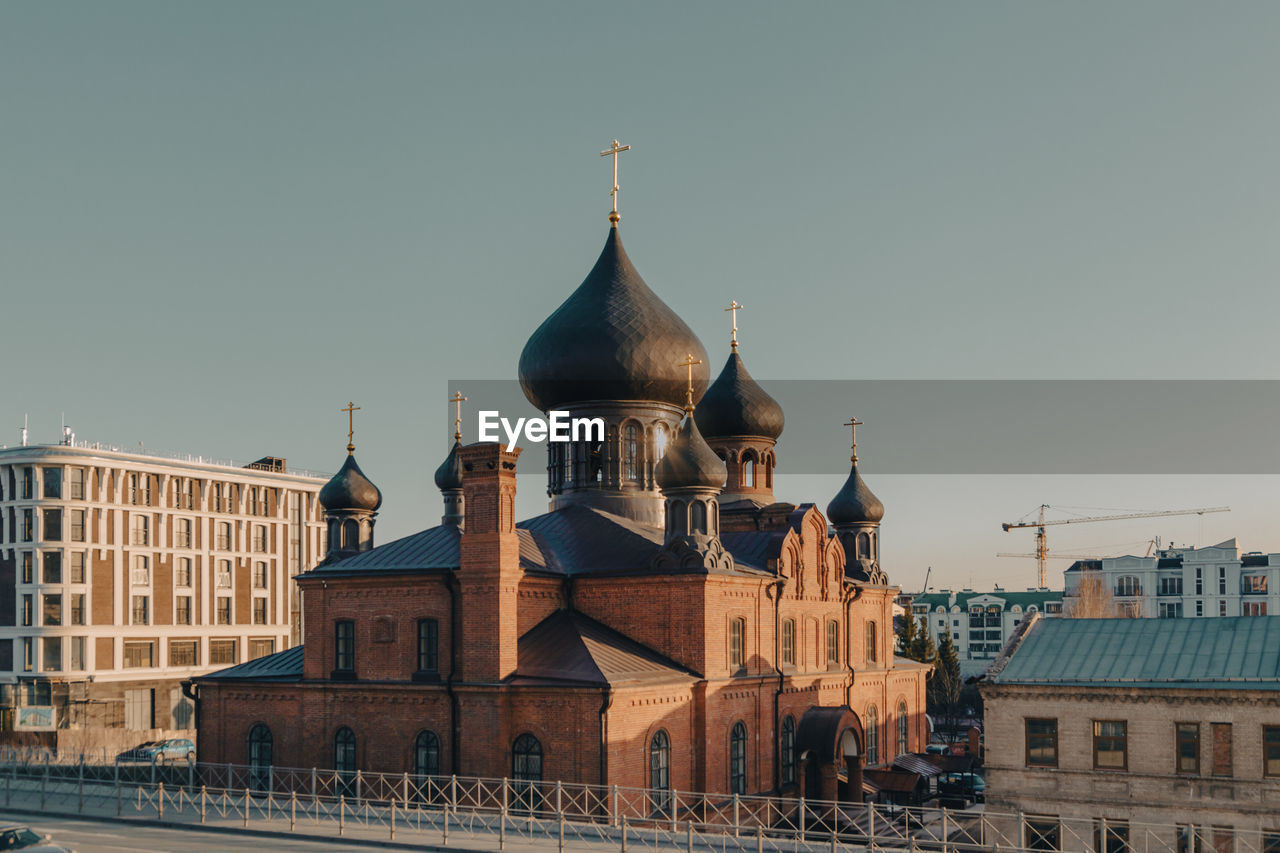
pixel 855 503
pixel 689 462
pixel 568 647
pixel 612 339
pixel 962 598
pixel 735 405
pixel 350 489
pixel 281 666
pixel 1240 652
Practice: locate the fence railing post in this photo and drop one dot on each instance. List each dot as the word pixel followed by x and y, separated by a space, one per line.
pixel 246 806
pixel 871 823
pixel 445 839
pixel 946 827
pixel 204 802
pixel 688 833
pixel 44 781
pixel 160 802
pixel 623 823
pixel 736 814
pixel 760 838
pixel 803 815
pixel 502 817
pixel 675 811
pixel 80 784
pixel 293 810
pixel 393 820
pixel 342 808
pixel 613 811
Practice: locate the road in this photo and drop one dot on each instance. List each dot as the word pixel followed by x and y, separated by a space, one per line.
pixel 87 836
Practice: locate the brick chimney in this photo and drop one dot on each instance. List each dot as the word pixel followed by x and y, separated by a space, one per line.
pixel 489 575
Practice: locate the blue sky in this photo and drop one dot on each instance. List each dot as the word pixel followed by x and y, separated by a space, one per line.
pixel 221 221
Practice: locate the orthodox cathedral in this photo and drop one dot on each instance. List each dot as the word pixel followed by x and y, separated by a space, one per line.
pixel 667 624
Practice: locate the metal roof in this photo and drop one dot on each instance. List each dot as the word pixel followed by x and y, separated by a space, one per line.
pixel 1241 652
pixel 281 666
pixel 570 647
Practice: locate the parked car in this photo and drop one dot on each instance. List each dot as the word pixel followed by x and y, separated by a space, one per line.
pixel 935 749
pixel 969 785
pixel 19 836
pixel 160 751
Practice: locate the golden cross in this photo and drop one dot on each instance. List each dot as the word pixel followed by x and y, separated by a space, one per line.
pixel 734 305
pixel 688 399
pixel 853 424
pixel 351 409
pixel 457 399
pixel 615 150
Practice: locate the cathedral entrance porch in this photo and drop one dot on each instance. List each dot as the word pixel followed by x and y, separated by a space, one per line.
pixel 829 741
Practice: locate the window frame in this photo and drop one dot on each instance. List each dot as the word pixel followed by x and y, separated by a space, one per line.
pixel 789 642
pixel 428 641
pixel 738 758
pixel 344 647
pixel 737 643
pixel 1271 752
pixel 1123 738
pixel 1178 740
pixel 1028 736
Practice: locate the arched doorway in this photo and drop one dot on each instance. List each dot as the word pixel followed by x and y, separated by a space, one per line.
pixel 830 742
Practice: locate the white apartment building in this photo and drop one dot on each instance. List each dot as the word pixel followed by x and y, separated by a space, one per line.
pixel 1184 582
pixel 980 622
pixel 122 574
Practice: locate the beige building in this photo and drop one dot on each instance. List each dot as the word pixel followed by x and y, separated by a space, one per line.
pixel 122 574
pixel 1155 733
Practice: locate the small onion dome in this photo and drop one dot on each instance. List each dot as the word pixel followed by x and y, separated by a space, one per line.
pixel 449 474
pixel 735 405
pixel 350 489
pixel 689 462
pixel 854 503
pixel 612 339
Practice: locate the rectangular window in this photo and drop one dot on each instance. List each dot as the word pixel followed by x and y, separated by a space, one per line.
pixel 1253 608
pixel 52 568
pixel 141 529
pixel 259 575
pixel 1042 742
pixel 222 651
pixel 77 525
pixel 1199 581
pixel 52 482
pixel 1043 833
pixel 261 648
pixel 737 642
pixel 28 525
pixel 139 655
pixel 789 642
pixel 28 572
pixel 182 612
pixel 1110 745
pixel 1253 584
pixel 1222 608
pixel 344 645
pixel 28 483
pixel 77 484
pixel 833 642
pixel 1221 745
pixel 1171 585
pixel 224 536
pixel 182 533
pixel 259 611
pixel 1112 836
pixel 77 566
pixel 428 645
pixel 77 653
pixel 182 653
pixel 182 573
pixel 224 610
pixel 51 530
pixel 52 609
pixel 51 659
pixel 223 580
pixel 28 610
pixel 1271 751
pixel 259 538
pixel 871 642
pixel 141 610
pixel 141 570
pixel 1171 610
pixel 77 608
pixel 1222 581
pixel 1187 745
pixel 28 654
pixel 1199 608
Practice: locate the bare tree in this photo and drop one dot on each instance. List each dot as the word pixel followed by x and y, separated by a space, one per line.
pixel 1092 600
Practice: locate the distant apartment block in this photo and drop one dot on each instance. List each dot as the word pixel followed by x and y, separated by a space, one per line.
pixel 122 574
pixel 980 622
pixel 1181 582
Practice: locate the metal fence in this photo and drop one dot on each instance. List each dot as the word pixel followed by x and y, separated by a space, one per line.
pixel 463 811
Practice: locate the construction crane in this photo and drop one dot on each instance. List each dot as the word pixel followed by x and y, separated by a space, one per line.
pixel 1042 544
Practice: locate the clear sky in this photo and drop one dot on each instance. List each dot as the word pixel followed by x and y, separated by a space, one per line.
pixel 221 221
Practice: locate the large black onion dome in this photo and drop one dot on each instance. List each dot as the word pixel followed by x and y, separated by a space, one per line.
pixel 689 462
pixel 854 503
pixel 735 405
pixel 350 489
pixel 612 339
pixel 449 474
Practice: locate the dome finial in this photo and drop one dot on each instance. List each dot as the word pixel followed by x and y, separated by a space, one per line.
pixel 457 399
pixel 351 409
pixel 615 150
pixel 689 362
pixel 734 305
pixel 853 424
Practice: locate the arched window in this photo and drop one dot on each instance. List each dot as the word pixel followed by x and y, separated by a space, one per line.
pixel 679 517
pixel 426 754
pixel 631 452
pixel 749 471
pixel 768 471
pixel 659 441
pixel 697 517
pixel 737 642
pixel 864 546
pixel 260 757
pixel 660 770
pixel 789 642
pixel 526 759
pixel 738 759
pixel 902 728
pixel 787 750
pixel 871 642
pixel 350 533
pixel 344 760
pixel 873 736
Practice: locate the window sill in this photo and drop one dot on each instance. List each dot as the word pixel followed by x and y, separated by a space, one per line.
pixel 342 675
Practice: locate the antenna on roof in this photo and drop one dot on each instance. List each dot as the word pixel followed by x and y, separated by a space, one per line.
pixel 23 431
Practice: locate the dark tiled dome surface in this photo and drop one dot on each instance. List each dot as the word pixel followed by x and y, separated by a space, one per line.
pixel 350 489
pixel 449 474
pixel 612 339
pixel 690 462
pixel 735 405
pixel 854 502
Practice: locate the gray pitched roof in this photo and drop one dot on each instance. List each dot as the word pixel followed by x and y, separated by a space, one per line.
pixel 568 647
pixel 281 666
pixel 1240 652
